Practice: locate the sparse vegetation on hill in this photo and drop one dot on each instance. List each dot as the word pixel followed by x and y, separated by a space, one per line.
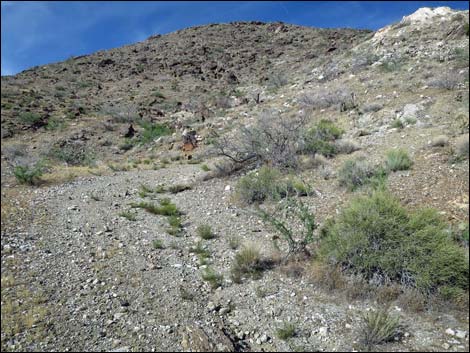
pixel 262 154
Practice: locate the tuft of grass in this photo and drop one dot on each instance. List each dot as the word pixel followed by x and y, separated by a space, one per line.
pixel 286 331
pixel 205 168
pixel 234 242
pixel 213 278
pixel 379 239
pixel 157 244
pixel 128 215
pixel 175 225
pixel 247 262
pixel 29 118
pixel 166 208
pixel 202 253
pixel 145 191
pixel 174 189
pixel 379 327
pixel 186 294
pixel 205 232
pixel 398 160
pixel 397 124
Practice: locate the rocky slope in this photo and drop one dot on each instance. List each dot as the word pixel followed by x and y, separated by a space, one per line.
pixel 81 268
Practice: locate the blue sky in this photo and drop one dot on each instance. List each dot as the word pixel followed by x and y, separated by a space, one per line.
pixel 40 32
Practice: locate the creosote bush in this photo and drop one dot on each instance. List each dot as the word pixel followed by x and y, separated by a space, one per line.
pixel 377 238
pixel 296 237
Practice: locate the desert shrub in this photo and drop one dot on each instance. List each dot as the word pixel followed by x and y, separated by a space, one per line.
pixel 260 185
pixel 346 146
pixel 449 81
pixel 205 231
pixel 342 99
pixel 363 60
pixel 272 139
pixel 372 107
pixel 174 189
pixel 398 160
pixel 397 124
pixel 391 65
pixel 462 146
pixel 29 117
pixel 247 262
pixel 439 141
pixel 277 80
pixel 379 239
pixel 357 172
pixel 379 327
pixel 320 138
pixel 327 277
pixel 297 237
pixel 72 153
pixel 153 131
pixel 157 244
pixel 286 331
pixel 29 174
pixel 128 215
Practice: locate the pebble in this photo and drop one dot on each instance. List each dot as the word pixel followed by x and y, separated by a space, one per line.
pixel 461 334
pixel 450 332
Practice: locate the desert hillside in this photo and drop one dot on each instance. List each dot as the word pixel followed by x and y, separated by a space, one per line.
pixel 245 186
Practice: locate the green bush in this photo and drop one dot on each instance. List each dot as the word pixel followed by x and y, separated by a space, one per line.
pixel 166 208
pixel 29 174
pixel 320 138
pixel 259 185
pixel 29 118
pixel 398 160
pixel 73 154
pixel 357 172
pixel 379 239
pixel 297 239
pixel 153 131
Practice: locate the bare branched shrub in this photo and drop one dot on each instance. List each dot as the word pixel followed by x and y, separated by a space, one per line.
pixel 271 140
pixel 341 98
pixel 449 81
